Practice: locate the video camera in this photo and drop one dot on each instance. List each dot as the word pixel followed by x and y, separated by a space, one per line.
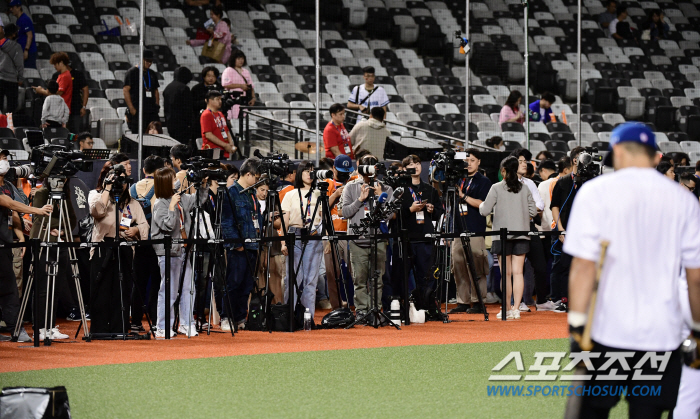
pixel 52 160
pixel 229 99
pixel 372 170
pixel 448 166
pixel 588 165
pixel 399 178
pixel 198 168
pixel 275 165
pixel 119 180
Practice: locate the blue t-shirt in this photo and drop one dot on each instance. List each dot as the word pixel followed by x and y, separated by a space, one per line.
pixel 25 25
pixel 539 114
pixel 476 187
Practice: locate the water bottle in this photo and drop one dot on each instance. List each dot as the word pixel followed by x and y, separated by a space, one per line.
pixel 307 320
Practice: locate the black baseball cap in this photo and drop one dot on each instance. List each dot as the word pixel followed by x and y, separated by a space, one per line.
pixel 148 55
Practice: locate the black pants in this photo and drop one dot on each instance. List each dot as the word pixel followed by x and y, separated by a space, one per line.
pixel 539 265
pixel 422 259
pixel 9 296
pixel 640 406
pixel 145 269
pixel 75 123
pixel 62 294
pixel 133 121
pixel 560 272
pixel 107 291
pixel 10 91
pixel 53 124
pixel 83 256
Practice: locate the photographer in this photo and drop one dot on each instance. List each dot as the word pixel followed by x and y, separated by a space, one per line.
pixel 359 200
pixel 244 223
pixel 215 133
pixel 171 216
pixel 145 259
pixel 179 155
pixel 417 215
pixel 298 207
pixel 472 190
pixel 9 213
pixel 563 196
pixel 123 159
pixel 108 295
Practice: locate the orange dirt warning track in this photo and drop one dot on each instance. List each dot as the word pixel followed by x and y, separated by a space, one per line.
pixel 464 328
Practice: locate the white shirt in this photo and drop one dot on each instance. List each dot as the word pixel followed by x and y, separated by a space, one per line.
pixel 653 226
pixel 535 193
pixel 612 28
pixel 378 98
pixel 546 197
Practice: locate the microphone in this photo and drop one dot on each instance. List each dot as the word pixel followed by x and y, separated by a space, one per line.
pixel 382 198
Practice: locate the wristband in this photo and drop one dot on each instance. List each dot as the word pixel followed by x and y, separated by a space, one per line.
pixel 577 319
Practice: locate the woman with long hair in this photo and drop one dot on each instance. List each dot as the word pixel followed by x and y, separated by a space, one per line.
pixel 667 169
pixel 113 212
pixel 236 78
pixel 221 32
pixel 512 206
pixel 171 217
pixel 298 208
pixel 210 81
pixel 511 110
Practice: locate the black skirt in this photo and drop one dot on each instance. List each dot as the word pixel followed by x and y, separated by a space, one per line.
pixel 513 247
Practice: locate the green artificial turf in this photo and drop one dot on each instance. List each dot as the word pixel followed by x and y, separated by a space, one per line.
pixel 432 381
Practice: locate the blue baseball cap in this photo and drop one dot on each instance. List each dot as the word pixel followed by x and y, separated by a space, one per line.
pixel 14 3
pixel 343 163
pixel 630 131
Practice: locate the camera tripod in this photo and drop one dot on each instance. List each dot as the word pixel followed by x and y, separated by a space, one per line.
pixel 451 197
pixel 57 196
pixel 374 316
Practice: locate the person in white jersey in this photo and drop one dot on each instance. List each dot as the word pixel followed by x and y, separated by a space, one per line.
pixel 653 228
pixel 366 96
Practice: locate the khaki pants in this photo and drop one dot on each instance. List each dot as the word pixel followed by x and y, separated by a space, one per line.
pixel 465 289
pixel 333 292
pixel 17 266
pixel 359 259
pixel 278 271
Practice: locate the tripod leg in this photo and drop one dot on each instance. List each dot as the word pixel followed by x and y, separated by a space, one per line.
pixel 23 306
pixel 466 245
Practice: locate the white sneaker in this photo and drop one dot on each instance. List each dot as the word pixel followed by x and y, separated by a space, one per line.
pixel 491 298
pixel 241 325
pixel 524 307
pixel 183 330
pixel 225 326
pixel 53 334
pixel 514 315
pixel 160 334
pixel 547 306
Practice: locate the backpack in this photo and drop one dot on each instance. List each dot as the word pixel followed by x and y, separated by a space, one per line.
pixel 144 201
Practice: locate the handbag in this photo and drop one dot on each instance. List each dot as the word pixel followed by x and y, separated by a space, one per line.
pixel 214 49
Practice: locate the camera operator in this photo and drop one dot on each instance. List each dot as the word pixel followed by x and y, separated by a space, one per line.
pixel 563 196
pixel 298 208
pixel 178 155
pixel 472 190
pixel 244 223
pixel 123 159
pixel 145 259
pixel 536 253
pixel 9 216
pixel 417 216
pixel 359 200
pixel 171 216
pixel 215 133
pixel 563 168
pixel 107 294
pixel 62 290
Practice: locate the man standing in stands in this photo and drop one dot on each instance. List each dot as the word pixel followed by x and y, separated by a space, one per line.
pixel 336 139
pixel 473 189
pixel 11 71
pixel 79 99
pixel 151 97
pixel 563 196
pixel 60 61
pixel 371 133
pixel 215 133
pixel 367 96
pixel 27 35
pixel 540 109
pixel 177 101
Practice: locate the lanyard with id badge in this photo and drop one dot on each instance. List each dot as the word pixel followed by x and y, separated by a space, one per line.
pixel 220 123
pixel 125 220
pixel 344 137
pixel 147 87
pixel 463 208
pixel 420 215
pixel 256 222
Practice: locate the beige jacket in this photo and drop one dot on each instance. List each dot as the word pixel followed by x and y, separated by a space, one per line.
pixel 370 134
pixel 105 220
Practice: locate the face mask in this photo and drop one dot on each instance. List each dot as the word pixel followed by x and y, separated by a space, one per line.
pixel 4 167
pixel 177 185
pixel 502 148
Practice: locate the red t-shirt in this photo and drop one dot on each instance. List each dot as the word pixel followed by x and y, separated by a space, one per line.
pixel 65 83
pixel 215 123
pixel 337 137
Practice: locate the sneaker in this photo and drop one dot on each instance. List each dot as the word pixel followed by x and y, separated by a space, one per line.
pixel 160 334
pixel 514 315
pixel 4 338
pixel 87 316
pixel 491 298
pixel 23 336
pixel 241 325
pixel 53 334
pixel 561 308
pixel 183 330
pixel 225 326
pixel 324 304
pixel 137 328
pixel 452 301
pixel 74 315
pixel 461 308
pixel 476 309
pixel 547 306
pixel 524 307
